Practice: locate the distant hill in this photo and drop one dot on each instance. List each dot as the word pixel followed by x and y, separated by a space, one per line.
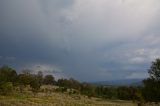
pixel 124 82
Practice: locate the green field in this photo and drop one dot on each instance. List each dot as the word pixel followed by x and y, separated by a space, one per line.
pixel 58 99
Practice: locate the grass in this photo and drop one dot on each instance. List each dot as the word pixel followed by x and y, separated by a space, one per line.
pixel 58 99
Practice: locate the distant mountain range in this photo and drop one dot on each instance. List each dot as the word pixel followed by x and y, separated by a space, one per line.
pixel 124 82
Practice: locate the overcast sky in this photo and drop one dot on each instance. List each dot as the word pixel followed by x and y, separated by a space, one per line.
pixel 89 40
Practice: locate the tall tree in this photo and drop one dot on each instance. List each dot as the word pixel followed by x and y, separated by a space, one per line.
pixel 154 70
pixel 8 74
pixel 8 77
pixel 151 91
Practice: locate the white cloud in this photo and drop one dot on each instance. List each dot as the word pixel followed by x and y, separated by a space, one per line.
pixel 102 21
pixel 137 60
pixel 137 75
pixel 142 56
pixel 140 52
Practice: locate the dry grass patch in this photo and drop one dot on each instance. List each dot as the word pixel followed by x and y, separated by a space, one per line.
pixel 59 99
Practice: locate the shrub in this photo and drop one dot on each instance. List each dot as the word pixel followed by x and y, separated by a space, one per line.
pixel 6 88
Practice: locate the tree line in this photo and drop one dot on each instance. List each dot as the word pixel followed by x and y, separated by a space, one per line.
pixel 148 91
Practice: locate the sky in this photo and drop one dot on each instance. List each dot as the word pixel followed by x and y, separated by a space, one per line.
pixel 89 40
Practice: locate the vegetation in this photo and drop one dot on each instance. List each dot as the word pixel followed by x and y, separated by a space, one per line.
pixel 26 83
pixel 59 99
pixel 151 90
pixel 48 80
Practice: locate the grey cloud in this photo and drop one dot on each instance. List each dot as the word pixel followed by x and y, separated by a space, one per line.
pixel 90 39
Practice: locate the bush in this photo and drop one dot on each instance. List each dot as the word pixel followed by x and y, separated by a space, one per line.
pixel 6 88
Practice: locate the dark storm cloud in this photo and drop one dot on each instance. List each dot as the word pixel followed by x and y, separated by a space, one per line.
pixel 85 39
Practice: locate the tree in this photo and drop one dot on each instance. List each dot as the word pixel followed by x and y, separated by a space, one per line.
pixel 40 77
pixel 8 74
pixel 25 78
pixel 69 83
pixel 129 93
pixel 87 89
pixel 35 83
pixel 74 84
pixel 48 80
pixel 34 80
pixel 151 90
pixel 154 70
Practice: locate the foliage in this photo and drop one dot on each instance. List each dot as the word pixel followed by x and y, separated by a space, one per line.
pixel 71 83
pixel 154 70
pixel 129 93
pixel 48 80
pixel 35 83
pixel 151 90
pixel 87 89
pixel 25 79
pixel 7 74
pixel 40 77
pixel 6 88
